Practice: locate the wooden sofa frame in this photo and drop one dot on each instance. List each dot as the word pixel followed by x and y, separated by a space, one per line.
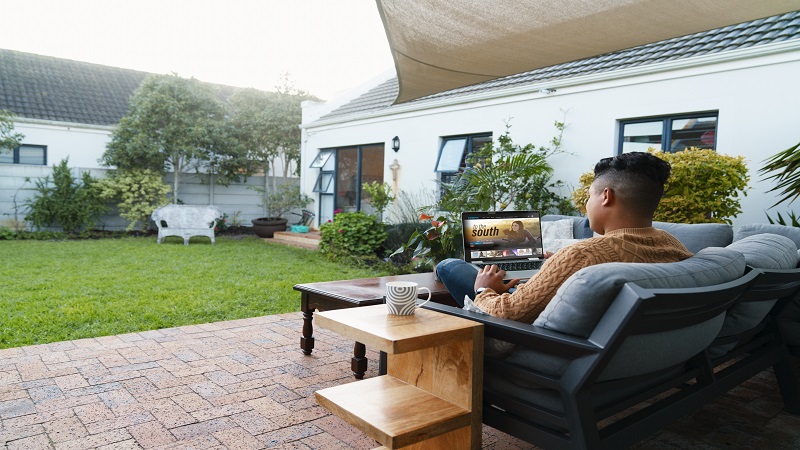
pixel 585 423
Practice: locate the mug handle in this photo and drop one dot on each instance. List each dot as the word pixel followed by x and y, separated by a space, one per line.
pixel 429 295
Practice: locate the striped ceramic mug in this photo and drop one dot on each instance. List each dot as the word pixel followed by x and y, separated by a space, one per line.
pixel 401 297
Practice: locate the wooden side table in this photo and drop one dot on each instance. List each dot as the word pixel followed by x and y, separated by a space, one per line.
pixel 330 295
pixel 432 392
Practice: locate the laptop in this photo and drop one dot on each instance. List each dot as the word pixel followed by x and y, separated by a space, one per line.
pixel 512 240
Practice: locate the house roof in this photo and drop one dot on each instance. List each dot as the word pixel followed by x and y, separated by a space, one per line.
pixel 749 34
pixel 62 90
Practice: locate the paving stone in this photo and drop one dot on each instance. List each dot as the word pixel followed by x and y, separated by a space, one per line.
pixel 151 434
pixel 191 402
pixel 39 441
pixel 17 407
pixel 99 440
pixel 66 429
pixel 93 412
pixel 239 439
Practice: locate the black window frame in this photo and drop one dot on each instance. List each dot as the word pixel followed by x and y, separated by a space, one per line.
pixel 666 127
pixel 15 154
pixel 446 176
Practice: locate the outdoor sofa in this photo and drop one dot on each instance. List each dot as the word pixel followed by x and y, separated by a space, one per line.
pixel 186 221
pixel 624 349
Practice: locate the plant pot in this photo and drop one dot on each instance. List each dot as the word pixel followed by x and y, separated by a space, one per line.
pixel 266 227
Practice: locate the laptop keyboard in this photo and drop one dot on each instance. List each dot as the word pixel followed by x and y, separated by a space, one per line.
pixel 516 265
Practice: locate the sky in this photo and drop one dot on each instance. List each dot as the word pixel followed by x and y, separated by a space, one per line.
pixel 325 46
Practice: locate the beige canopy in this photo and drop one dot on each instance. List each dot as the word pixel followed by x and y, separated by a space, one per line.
pixel 440 45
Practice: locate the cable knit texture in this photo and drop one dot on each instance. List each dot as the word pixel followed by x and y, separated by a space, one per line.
pixel 648 245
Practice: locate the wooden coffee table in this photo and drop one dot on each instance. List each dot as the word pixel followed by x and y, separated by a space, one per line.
pixel 331 295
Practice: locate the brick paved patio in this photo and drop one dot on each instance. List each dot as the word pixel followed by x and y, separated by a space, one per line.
pixel 245 385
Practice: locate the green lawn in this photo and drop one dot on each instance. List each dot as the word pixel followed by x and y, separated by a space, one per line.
pixel 61 290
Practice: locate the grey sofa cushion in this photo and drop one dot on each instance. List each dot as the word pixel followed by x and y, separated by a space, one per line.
pixel 584 297
pixel 761 251
pixel 580 225
pixel 752 229
pixel 697 236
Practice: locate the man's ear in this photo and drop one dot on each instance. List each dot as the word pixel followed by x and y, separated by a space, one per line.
pixel 607 198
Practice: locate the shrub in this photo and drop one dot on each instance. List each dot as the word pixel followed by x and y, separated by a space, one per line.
pixel 704 186
pixel 352 233
pixel 7 234
pixel 379 195
pixel 73 205
pixel 137 193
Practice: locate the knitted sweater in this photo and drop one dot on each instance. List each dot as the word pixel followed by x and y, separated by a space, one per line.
pixel 624 245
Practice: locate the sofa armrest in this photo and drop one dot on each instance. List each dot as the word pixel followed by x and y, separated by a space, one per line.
pixel 549 341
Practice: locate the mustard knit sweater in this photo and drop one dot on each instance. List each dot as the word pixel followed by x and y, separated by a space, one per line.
pixel 623 245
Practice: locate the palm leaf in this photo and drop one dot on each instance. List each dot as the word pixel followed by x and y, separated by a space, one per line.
pixel 787 166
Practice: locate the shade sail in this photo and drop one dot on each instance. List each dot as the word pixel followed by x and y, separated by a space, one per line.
pixel 440 45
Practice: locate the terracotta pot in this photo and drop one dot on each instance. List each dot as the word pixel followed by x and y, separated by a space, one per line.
pixel 266 227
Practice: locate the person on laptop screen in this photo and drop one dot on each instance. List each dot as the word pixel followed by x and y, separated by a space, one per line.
pixel 518 234
pixel 622 200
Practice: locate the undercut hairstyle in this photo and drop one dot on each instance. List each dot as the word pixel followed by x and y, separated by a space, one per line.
pixel 637 179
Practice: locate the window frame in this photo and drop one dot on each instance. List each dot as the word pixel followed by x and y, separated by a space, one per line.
pixel 666 127
pixel 444 176
pixel 16 151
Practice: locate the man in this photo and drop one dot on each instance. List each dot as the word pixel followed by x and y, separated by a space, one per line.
pixel 622 200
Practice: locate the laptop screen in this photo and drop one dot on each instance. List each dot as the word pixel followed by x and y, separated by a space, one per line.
pixel 502 235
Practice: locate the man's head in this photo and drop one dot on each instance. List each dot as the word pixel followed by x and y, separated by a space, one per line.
pixel 626 190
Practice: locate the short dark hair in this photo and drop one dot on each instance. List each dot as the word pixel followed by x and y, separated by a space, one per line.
pixel 637 178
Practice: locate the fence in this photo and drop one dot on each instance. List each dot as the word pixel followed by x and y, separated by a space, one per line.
pixel 17 183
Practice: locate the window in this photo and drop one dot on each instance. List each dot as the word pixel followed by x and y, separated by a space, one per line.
pixel 342 172
pixel 669 133
pixel 453 154
pixel 25 154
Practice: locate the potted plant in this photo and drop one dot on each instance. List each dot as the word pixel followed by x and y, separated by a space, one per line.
pixel 277 204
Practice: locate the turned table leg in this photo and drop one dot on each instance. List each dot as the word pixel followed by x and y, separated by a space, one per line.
pixel 359 362
pixel 307 340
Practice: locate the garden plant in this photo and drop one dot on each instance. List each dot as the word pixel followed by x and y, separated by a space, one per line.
pixel 704 187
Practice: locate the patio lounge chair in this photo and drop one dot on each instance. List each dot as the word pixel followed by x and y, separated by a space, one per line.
pixel 622 350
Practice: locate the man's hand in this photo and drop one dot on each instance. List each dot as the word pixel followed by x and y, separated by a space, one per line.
pixel 492 277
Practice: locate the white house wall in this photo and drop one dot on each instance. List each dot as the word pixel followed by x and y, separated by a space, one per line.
pixel 756 97
pixel 82 144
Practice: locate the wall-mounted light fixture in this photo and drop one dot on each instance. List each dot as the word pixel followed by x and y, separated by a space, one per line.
pixel 547 91
pixel 395 144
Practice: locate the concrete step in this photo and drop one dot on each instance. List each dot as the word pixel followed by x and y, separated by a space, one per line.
pixel 308 240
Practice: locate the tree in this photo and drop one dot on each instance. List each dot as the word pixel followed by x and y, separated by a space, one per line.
pixel 8 138
pixel 175 124
pixel 267 126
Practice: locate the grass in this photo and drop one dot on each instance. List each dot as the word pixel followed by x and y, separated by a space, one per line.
pixel 62 290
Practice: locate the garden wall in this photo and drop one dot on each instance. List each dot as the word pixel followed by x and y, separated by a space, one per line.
pixel 234 200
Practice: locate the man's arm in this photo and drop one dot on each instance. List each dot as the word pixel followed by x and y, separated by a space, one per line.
pixel 530 298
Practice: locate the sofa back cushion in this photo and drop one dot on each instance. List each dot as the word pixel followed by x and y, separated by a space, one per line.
pixel 697 236
pixel 584 297
pixel 753 229
pixel 580 225
pixel 761 251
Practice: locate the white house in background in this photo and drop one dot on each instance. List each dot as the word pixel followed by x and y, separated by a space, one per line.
pixel 732 89
pixel 68 109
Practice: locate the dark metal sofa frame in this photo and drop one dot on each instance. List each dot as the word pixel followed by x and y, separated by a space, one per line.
pixel 681 389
